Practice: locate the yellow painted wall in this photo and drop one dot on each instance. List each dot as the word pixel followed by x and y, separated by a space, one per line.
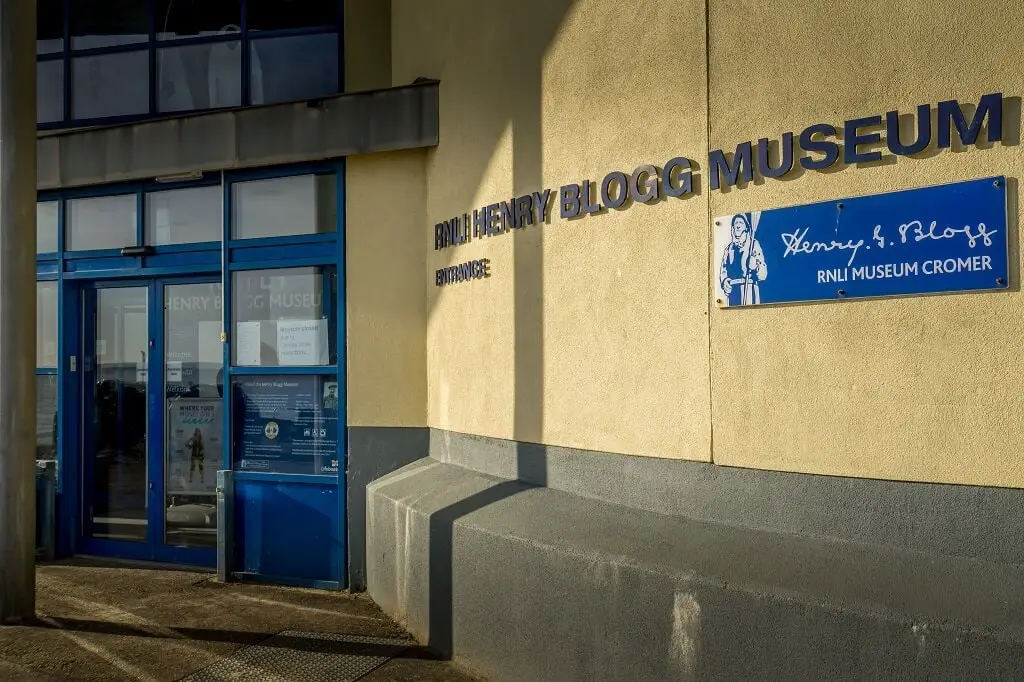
pixel 597 333
pixel 590 333
pixel 922 388
pixel 386 291
pixel 367 44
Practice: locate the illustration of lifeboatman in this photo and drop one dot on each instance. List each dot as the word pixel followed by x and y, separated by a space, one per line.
pixel 743 266
pixel 195 445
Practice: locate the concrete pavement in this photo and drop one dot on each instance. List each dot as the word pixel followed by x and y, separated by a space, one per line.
pixel 106 621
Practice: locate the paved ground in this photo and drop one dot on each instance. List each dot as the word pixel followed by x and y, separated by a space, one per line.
pixel 100 621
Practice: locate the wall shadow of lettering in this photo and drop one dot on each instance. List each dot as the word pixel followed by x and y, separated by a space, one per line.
pixel 880 146
pixel 662 197
pixel 622 192
pixel 723 186
pixel 697 175
pixel 956 144
pixel 908 131
pixel 839 166
pixel 775 151
pixel 1010 133
pixel 584 199
pixel 1011 121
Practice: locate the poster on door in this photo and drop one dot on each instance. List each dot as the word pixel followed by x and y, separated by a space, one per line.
pixel 302 342
pixel 286 425
pixel 194 445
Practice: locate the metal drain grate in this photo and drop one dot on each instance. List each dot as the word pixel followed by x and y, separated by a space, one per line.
pixel 304 657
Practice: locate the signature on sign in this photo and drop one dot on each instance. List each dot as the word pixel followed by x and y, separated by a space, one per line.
pixel 796 242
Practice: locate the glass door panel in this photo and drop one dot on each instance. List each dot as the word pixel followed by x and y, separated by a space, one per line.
pixel 116 415
pixel 193 413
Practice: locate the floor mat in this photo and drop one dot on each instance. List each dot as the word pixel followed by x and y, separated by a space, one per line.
pixel 292 656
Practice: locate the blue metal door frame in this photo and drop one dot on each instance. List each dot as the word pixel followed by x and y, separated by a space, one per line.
pixel 250 537
pixel 81 272
pixel 153 549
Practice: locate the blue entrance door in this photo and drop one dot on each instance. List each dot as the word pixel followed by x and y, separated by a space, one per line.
pixel 152 420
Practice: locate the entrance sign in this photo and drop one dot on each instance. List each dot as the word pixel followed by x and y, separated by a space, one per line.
pixel 940 239
pixel 818 147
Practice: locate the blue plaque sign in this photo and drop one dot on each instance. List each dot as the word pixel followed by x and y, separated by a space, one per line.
pixel 940 239
pixel 286 425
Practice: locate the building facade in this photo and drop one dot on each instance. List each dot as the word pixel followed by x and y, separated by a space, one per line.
pixel 478 304
pixel 191 269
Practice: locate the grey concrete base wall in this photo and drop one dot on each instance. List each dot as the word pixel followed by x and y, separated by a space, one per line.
pixel 531 583
pixel 373 452
pixel 956 520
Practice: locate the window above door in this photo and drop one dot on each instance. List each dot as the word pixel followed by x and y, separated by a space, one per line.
pixel 107 61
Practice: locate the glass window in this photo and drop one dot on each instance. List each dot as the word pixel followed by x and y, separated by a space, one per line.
pixel 286 424
pixel 49 91
pixel 285 318
pixel 49 26
pixel 190 18
pixel 46 325
pixel 124 60
pixel 269 15
pixel 193 433
pixel 199 76
pixel 104 23
pixel 302 204
pixel 114 450
pixel 101 223
pixel 46 416
pixel 110 85
pixel 184 216
pixel 46 227
pixel 294 68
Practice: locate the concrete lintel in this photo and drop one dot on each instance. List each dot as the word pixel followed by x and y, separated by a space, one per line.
pixel 358 123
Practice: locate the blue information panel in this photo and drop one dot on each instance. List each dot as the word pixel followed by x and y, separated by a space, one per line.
pixel 286 424
pixel 922 241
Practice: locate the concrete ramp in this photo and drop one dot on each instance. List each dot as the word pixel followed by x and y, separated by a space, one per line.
pixel 532 583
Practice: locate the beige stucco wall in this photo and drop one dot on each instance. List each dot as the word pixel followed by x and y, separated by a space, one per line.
pixel 386 291
pixel 590 333
pixel 922 388
pixel 367 45
pixel 598 333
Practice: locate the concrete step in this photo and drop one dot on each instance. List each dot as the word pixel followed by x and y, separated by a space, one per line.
pixel 529 583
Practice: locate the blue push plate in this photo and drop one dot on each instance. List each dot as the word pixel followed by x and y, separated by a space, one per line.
pixel 941 239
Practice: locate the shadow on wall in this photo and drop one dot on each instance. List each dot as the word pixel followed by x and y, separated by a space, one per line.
pixel 491 89
pixel 499 89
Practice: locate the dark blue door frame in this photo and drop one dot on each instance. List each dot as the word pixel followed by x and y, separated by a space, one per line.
pixel 153 548
pixel 82 272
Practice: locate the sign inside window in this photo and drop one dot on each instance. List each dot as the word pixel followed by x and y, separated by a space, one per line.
pixel 286 425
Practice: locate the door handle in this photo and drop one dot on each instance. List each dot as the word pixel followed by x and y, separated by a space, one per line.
pixel 151 485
